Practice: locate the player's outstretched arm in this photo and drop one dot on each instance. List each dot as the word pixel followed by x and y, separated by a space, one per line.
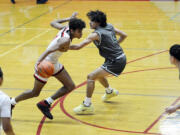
pixel 92 37
pixel 122 35
pixel 57 23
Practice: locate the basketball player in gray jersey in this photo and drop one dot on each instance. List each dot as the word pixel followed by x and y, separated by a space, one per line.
pixel 104 37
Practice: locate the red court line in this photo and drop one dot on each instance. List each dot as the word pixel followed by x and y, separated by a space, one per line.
pixel 147 56
pixel 102 127
pixel 93 125
pixel 112 0
pixel 43 119
pixel 150 69
pixel 61 100
pixel 151 126
pixel 122 0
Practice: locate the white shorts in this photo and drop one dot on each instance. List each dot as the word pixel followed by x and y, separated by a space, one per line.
pixel 57 69
pixel 5 107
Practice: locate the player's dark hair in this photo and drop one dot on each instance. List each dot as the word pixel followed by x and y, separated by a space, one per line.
pixel 98 16
pixel 175 51
pixel 1 73
pixel 76 24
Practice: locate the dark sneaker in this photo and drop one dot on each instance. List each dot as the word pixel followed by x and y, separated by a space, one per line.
pixel 44 107
pixel 13 1
pixel 41 1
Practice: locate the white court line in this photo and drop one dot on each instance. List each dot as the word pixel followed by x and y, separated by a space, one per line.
pixel 18 46
pixel 29 28
pixel 89 30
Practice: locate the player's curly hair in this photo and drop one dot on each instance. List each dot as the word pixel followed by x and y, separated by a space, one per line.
pixel 76 24
pixel 1 73
pixel 98 16
pixel 175 51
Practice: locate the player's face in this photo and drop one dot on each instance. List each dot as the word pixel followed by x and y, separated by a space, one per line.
pixel 77 33
pixel 1 81
pixel 93 24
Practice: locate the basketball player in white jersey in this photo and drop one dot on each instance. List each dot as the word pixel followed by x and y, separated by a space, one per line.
pixel 174 53
pixel 56 48
pixel 5 110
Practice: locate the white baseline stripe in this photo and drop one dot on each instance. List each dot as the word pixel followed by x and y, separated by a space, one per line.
pixel 18 46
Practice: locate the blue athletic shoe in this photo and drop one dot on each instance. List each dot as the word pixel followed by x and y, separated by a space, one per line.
pixel 13 1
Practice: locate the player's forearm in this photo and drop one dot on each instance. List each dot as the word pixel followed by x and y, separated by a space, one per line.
pixel 122 38
pixel 178 106
pixel 74 47
pixel 57 23
pixel 43 56
pixel 61 20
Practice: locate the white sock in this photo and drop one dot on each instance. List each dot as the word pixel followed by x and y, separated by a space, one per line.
pixel 13 101
pixel 49 100
pixel 109 90
pixel 87 101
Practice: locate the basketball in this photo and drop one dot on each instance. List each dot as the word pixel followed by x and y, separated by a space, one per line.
pixel 45 69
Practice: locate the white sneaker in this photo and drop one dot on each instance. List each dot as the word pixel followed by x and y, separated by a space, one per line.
pixel 107 96
pixel 82 109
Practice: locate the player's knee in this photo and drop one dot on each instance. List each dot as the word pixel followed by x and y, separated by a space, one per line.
pixel 35 94
pixel 71 87
pixel 90 77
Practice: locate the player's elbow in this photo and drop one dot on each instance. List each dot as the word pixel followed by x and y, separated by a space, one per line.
pixel 52 24
pixel 124 35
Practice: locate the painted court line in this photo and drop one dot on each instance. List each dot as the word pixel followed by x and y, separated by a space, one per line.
pixel 63 98
pixel 80 91
pixel 35 18
pixel 98 126
pixel 18 46
pixel 93 125
pixel 151 126
pixel 147 56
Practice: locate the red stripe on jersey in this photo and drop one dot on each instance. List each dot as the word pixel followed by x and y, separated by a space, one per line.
pixel 62 34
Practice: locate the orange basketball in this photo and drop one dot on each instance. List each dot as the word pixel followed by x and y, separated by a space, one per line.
pixel 45 69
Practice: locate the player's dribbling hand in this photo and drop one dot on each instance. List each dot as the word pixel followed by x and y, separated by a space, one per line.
pixel 171 109
pixel 74 15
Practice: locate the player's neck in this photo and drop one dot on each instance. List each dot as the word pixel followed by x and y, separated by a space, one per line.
pixel 178 65
pixel 71 36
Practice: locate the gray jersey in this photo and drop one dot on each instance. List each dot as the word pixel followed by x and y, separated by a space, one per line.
pixel 108 45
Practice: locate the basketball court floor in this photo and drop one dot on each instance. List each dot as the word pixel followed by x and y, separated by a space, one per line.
pixel 147 86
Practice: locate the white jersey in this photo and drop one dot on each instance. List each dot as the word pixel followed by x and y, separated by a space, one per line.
pixel 53 57
pixel 5 105
pixel 5 108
